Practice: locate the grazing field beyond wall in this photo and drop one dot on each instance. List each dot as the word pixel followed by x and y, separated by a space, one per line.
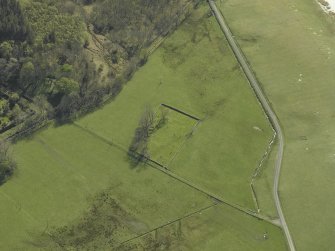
pixel 76 189
pixel 291 47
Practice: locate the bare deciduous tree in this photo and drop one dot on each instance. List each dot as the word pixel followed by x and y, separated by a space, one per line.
pixel 138 148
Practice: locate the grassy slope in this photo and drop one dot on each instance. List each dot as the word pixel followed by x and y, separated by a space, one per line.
pixel 216 229
pixel 195 71
pixel 56 178
pixel 286 41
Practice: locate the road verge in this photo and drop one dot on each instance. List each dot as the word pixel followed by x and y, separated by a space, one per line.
pixel 267 109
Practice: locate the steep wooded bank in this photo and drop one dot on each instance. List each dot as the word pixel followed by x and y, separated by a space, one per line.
pixel 61 59
pixel 75 52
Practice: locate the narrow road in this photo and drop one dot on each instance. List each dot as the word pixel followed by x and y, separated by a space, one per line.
pixel 268 110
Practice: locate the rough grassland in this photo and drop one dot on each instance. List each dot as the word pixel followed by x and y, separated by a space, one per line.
pixel 291 46
pixel 195 71
pixel 60 168
pixel 215 229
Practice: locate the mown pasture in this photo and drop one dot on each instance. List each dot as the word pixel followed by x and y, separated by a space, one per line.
pixel 55 198
pixel 291 47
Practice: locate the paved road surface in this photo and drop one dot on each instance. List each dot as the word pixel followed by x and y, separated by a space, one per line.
pixel 268 110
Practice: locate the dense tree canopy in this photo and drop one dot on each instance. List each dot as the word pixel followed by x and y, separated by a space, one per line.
pixel 134 24
pixel 76 51
pixel 12 22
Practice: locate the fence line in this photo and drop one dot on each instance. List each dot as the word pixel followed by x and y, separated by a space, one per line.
pixel 180 111
pixel 167 224
pixel 162 168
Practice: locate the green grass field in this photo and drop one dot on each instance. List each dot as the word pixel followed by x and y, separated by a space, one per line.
pixel 291 46
pixel 165 143
pixel 61 168
pixel 195 71
pixel 214 229
pixel 62 171
pixel 263 184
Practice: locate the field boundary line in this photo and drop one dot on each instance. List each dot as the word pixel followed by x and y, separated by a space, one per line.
pixel 156 165
pixel 180 111
pixel 100 137
pixel 259 170
pixel 168 223
pixel 214 196
pixel 117 146
pixel 254 197
pixel 262 98
pixel 180 146
pixel 265 156
pixel 155 44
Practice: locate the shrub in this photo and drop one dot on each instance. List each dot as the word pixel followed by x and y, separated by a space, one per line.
pixel 6 49
pixel 14 97
pixel 66 86
pixel 4 107
pixel 67 68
